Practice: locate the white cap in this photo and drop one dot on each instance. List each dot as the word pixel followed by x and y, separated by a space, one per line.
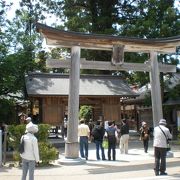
pixel 162 121
pixel 32 128
pixel 28 119
pixel 143 123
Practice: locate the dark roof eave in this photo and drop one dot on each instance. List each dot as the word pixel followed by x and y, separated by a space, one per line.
pixel 58 95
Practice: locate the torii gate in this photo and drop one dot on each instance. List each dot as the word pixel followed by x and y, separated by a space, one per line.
pixel 118 45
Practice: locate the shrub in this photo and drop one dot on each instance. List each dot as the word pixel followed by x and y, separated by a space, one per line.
pixel 47 152
pixel 43 132
pixel 85 112
pixel 14 135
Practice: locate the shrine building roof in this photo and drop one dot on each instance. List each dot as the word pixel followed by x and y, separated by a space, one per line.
pixel 56 84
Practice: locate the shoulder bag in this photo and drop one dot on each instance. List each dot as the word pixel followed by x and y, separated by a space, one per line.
pixel 168 145
pixel 21 145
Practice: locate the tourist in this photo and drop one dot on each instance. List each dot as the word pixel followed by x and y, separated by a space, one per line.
pixel 84 134
pixel 124 137
pixel 30 156
pixel 111 136
pixel 161 134
pixel 145 135
pixel 98 133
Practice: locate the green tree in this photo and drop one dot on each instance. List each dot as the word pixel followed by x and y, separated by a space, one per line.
pixel 85 112
pixel 87 16
pixel 20 44
pixel 20 49
pixel 20 52
pixel 132 18
pixel 155 19
pixel 7 111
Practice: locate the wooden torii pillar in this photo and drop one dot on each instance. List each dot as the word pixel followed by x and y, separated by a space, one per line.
pixel 71 146
pixel 118 45
pixel 155 89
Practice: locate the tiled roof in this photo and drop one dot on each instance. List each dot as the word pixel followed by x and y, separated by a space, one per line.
pixel 53 84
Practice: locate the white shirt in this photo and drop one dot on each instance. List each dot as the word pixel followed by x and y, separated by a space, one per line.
pixel 159 138
pixel 83 130
pixel 31 150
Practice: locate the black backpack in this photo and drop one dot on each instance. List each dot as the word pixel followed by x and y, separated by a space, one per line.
pixel 95 133
pixel 21 145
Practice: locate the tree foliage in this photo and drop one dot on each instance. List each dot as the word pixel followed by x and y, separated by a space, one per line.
pixel 85 112
pixel 132 18
pixel 20 44
pixel 19 52
pixel 19 49
pixel 7 111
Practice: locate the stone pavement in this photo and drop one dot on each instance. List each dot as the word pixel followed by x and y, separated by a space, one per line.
pixel 136 165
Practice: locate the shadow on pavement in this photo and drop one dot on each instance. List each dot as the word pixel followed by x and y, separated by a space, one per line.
pixel 105 168
pixel 5 169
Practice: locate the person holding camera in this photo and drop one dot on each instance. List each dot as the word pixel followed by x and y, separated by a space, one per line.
pixel 161 134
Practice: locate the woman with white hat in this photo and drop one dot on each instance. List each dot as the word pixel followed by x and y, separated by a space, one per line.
pixel 30 156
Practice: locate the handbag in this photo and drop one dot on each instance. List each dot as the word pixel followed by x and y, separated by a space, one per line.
pixel 167 140
pixel 105 144
pixel 21 146
pixel 168 146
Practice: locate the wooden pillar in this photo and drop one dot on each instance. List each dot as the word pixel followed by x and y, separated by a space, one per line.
pixel 155 89
pixel 72 146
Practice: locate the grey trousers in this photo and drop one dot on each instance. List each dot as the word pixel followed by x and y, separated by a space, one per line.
pixel 160 159
pixel 28 165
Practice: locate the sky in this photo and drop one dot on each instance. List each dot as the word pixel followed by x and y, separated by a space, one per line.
pixel 49 18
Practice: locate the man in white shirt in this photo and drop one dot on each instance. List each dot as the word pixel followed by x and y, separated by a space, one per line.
pixel 161 134
pixel 83 133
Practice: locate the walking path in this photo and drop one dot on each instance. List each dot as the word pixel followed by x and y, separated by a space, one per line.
pixel 136 165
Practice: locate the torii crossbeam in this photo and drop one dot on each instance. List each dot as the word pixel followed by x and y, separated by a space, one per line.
pixel 118 45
